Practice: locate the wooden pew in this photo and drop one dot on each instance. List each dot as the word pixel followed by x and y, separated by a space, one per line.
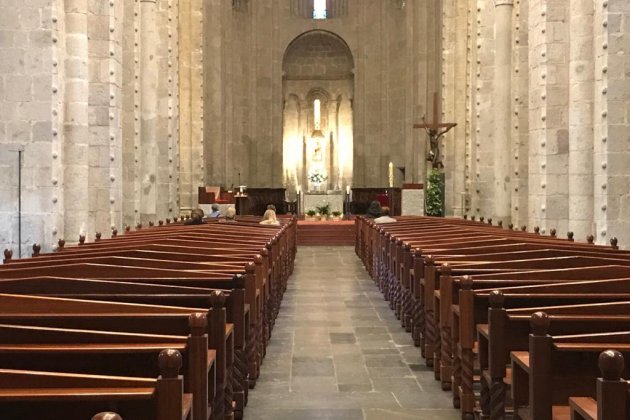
pixel 447 301
pixel 249 348
pixel 400 269
pixel 507 330
pixel 557 368
pixel 57 396
pixel 122 257
pixel 132 318
pixel 152 294
pixel 612 400
pixel 473 310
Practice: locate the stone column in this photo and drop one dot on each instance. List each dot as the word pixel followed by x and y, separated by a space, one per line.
pixel 502 108
pixel 75 151
pixel 611 165
pixel 148 107
pixel 581 89
pixel 335 181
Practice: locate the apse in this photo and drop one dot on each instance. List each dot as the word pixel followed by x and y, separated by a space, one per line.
pixel 318 88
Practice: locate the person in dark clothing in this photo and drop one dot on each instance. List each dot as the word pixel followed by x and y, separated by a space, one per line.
pixel 196 217
pixel 374 210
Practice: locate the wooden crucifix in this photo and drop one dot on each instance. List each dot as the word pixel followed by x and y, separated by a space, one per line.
pixel 435 130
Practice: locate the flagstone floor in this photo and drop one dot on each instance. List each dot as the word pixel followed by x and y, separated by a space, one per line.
pixel 338 352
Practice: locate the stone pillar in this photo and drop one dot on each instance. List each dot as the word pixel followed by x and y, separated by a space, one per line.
pixel 148 106
pixel 502 108
pixel 75 151
pixel 581 89
pixel 346 141
pixel 335 178
pixel 611 122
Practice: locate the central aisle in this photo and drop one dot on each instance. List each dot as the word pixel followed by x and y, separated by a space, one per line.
pixel 338 351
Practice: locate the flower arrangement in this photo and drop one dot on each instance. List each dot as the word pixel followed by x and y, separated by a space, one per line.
pixel 336 213
pixel 316 177
pixel 311 213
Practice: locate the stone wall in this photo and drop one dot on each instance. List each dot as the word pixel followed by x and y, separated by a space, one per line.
pixel 396 64
pixel 569 114
pixel 611 120
pixel 26 101
pixel 71 96
pixel 124 108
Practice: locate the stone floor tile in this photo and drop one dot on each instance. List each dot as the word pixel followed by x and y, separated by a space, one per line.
pixel 338 351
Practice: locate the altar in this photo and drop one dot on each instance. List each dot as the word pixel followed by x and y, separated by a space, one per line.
pixel 314 199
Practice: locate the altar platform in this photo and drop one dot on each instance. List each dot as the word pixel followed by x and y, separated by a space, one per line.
pixel 328 233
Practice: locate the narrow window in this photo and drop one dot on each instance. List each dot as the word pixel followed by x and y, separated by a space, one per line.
pixel 319 9
pixel 317 107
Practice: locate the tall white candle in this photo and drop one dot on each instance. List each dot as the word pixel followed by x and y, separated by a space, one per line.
pixel 391 175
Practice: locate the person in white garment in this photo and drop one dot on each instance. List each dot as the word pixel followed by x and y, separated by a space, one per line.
pixel 384 217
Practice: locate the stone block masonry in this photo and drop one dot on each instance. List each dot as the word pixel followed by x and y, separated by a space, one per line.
pixel 70 95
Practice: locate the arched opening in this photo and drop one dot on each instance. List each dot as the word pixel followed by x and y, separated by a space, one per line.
pixel 318 84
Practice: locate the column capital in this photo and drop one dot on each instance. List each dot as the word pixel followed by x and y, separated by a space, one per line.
pixel 498 3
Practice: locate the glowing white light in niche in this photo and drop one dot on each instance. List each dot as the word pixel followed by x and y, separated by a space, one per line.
pixel 317 107
pixel 319 9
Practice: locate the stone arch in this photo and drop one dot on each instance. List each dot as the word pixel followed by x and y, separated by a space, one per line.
pixel 317 65
pixel 317 55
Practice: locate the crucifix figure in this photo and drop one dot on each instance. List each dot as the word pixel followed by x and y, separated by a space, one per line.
pixel 435 130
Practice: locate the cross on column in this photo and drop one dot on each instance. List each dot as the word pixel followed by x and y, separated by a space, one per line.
pixel 435 130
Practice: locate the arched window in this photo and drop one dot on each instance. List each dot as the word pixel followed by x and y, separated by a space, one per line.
pixel 319 9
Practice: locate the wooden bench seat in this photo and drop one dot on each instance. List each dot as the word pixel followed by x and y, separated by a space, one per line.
pixel 560 367
pixel 146 262
pixel 409 261
pixel 67 396
pixel 133 318
pixel 508 332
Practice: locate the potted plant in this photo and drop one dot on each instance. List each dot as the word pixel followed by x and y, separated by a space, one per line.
pixel 336 216
pixel 310 215
pixel 324 211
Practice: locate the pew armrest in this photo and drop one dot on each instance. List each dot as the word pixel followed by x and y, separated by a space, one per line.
pixel 212 358
pixel 483 330
pixel 187 400
pixel 229 330
pixel 583 408
pixel 521 358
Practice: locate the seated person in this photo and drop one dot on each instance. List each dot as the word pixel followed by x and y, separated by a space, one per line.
pixel 270 218
pixel 384 217
pixel 374 210
pixel 216 212
pixel 196 217
pixel 230 215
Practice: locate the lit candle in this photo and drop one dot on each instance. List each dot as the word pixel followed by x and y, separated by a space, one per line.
pixel 348 189
pixel 391 175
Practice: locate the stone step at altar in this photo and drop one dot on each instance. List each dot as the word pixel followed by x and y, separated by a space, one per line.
pixel 330 233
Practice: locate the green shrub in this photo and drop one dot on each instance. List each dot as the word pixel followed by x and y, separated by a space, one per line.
pixel 433 199
pixel 324 210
